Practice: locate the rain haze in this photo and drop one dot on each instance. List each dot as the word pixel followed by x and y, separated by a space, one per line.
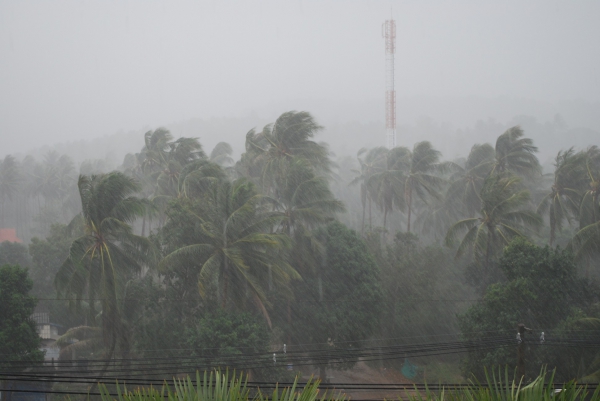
pixel 379 195
pixel 82 70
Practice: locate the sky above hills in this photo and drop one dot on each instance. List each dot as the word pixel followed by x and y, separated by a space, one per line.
pixel 73 70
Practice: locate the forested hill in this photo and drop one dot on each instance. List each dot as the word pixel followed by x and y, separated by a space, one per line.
pixel 451 124
pixel 344 138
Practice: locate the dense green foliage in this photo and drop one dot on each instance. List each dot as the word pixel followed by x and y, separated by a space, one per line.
pixel 326 314
pixel 19 340
pixel 182 249
pixel 541 288
pixel 12 253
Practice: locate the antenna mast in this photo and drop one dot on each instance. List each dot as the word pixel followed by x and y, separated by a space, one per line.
pixel 389 33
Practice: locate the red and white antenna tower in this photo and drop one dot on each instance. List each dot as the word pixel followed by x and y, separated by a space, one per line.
pixel 389 33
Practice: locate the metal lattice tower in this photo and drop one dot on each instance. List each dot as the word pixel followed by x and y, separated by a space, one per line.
pixel 389 33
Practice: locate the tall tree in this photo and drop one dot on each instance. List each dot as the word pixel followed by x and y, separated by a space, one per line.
pixel 303 199
pixel 516 153
pixel 422 176
pixel 373 162
pixel 564 199
pixel 328 313
pixel 387 186
pixel 502 217
pixel 221 154
pixel 290 136
pixel 231 244
pixel 108 253
pixel 587 240
pixel 466 182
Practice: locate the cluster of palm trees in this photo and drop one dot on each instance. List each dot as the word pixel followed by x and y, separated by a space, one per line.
pixel 486 199
pixel 241 232
pixel 235 235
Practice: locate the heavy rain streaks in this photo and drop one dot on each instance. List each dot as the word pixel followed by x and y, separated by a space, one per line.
pixel 205 188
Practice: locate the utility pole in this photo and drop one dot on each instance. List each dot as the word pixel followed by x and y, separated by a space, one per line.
pixel 521 329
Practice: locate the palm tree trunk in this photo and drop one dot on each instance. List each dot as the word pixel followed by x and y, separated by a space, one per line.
pixel 552 226
pixel 488 249
pixel 106 365
pixel 362 226
pixel 370 219
pixel 143 226
pixel 225 283
pixel 409 209
pixel 385 212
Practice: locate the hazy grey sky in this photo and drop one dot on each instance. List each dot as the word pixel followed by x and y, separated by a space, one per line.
pixel 82 69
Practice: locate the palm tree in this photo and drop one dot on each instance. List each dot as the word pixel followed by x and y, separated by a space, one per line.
pixel 232 245
pixel 515 153
pixel 373 162
pixel 501 218
pixel 290 136
pixel 155 151
pixel 564 199
pixel 304 199
pixel 587 240
pixel 421 176
pixel 467 181
pixel 108 253
pixel 387 186
pixel 221 154
pixel 303 202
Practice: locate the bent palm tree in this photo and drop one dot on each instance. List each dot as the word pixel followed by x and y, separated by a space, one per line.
pixel 466 182
pixel 387 185
pixel 563 200
pixel 421 175
pixel 515 153
pixel 501 218
pixel 232 244
pixel 587 240
pixel 373 162
pixel 289 137
pixel 108 253
pixel 221 154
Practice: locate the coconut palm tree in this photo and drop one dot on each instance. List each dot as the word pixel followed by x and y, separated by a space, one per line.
pixel 231 244
pixel 422 175
pixel 467 181
pixel 108 253
pixel 516 153
pixel 221 154
pixel 502 217
pixel 290 136
pixel 304 198
pixel 155 151
pixel 303 202
pixel 564 199
pixel 373 162
pixel 387 185
pixel 587 240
